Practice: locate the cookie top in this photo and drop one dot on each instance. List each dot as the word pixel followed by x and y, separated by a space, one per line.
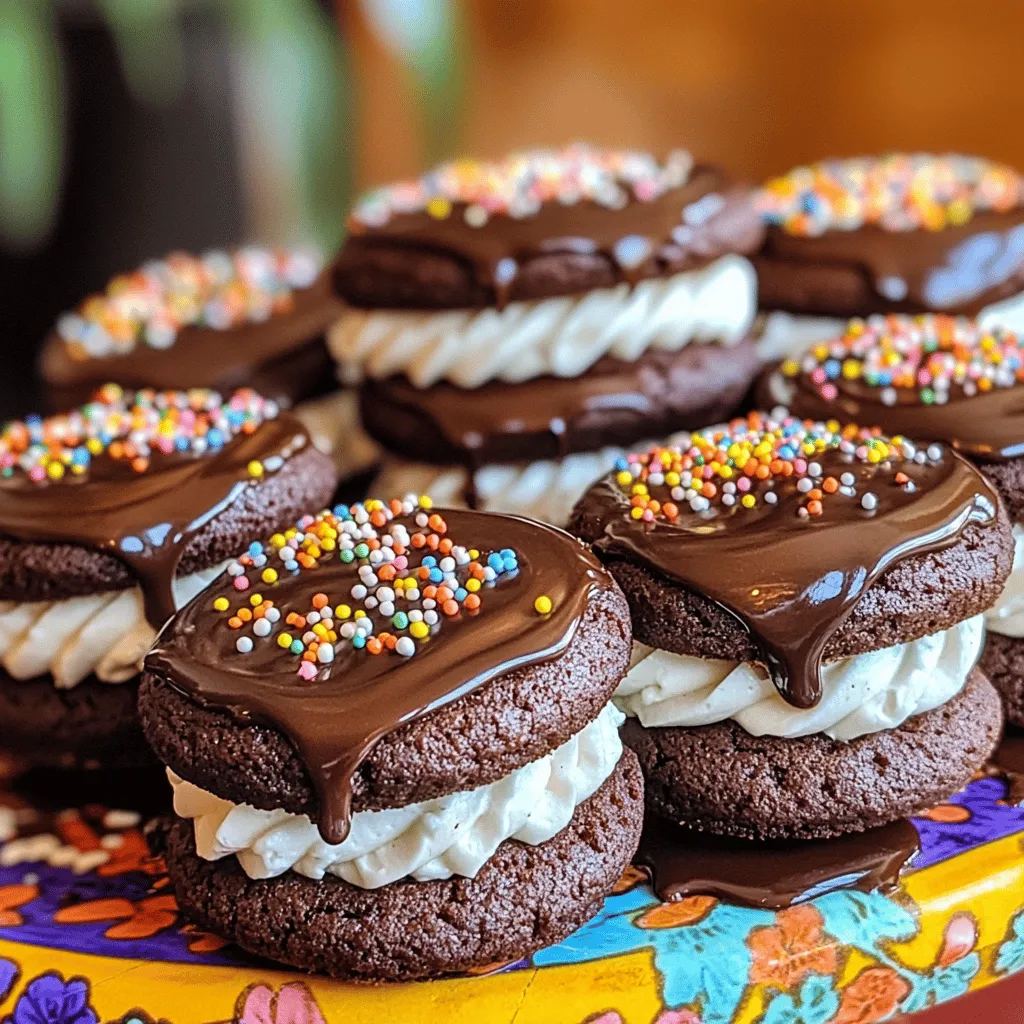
pixel 934 377
pixel 360 622
pixel 539 223
pixel 921 232
pixel 617 402
pixel 195 321
pixel 135 487
pixel 761 538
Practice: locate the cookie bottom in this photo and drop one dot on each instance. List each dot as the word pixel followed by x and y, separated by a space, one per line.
pixel 721 779
pixel 91 725
pixel 1002 660
pixel 524 898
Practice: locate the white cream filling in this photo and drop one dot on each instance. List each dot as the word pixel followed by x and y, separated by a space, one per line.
pixel 561 337
pixel 335 428
pixel 453 835
pixel 1007 313
pixel 102 634
pixel 545 490
pixel 861 695
pixel 1006 616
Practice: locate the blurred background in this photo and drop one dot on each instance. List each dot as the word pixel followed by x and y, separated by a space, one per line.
pixel 132 127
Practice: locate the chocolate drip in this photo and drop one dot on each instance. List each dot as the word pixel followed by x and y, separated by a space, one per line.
pixel 793 581
pixel 682 229
pixel 145 520
pixel 336 719
pixel 772 874
pixel 988 426
pixel 208 357
pixel 958 269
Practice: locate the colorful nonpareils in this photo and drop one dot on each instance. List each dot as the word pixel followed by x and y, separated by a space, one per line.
pixel 928 357
pixel 218 290
pixel 519 184
pixel 896 192
pixel 130 428
pixel 721 470
pixel 408 582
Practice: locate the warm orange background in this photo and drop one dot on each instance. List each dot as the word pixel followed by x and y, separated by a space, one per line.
pixel 756 84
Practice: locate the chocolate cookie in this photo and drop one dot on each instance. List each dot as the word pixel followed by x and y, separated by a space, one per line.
pixel 815 787
pixel 900 233
pixel 523 898
pixel 457 686
pixel 110 517
pixel 780 574
pixel 247 318
pixel 1002 661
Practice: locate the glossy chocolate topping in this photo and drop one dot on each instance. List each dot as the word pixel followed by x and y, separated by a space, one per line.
pixel 614 403
pixel 816 535
pixel 1008 760
pixel 146 517
pixel 681 229
pixel 772 874
pixel 958 269
pixel 336 714
pixel 270 355
pixel 928 357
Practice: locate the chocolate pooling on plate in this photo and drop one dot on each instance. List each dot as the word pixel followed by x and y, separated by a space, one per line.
pixel 785 524
pixel 137 475
pixel 638 216
pixel 934 377
pixel 370 617
pixel 925 232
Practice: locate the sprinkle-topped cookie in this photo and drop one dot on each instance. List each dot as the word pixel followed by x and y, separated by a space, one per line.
pixel 219 290
pixel 520 183
pixel 410 576
pixel 915 374
pixel 129 428
pixel 896 192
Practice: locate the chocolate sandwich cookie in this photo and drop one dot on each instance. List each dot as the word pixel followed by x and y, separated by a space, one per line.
pixel 111 517
pixel 249 317
pixel 942 378
pixel 901 233
pixel 405 763
pixel 807 605
pixel 519 323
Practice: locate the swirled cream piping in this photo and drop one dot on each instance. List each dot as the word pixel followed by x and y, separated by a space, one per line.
pixel 102 634
pixel 453 835
pixel 1006 616
pixel 861 695
pixel 561 337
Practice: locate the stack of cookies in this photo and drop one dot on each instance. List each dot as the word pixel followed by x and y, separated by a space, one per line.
pixel 517 324
pixel 415 767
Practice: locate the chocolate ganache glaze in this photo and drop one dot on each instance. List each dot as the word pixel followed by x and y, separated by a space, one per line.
pixel 146 473
pixel 184 322
pixel 772 873
pixel 534 584
pixel 908 233
pixel 933 377
pixel 547 223
pixel 784 524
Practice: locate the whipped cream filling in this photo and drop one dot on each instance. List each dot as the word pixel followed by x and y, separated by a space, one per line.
pixel 106 635
pixel 335 429
pixel 545 490
pixel 452 835
pixel 560 337
pixel 1006 616
pixel 865 694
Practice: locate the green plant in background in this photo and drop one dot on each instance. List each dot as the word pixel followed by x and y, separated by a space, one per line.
pixel 294 72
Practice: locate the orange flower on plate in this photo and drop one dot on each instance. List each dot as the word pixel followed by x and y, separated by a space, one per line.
pixel 132 855
pixel 11 898
pixel 203 942
pixel 874 995
pixel 138 919
pixel 630 878
pixel 678 913
pixel 783 954
pixel 947 814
